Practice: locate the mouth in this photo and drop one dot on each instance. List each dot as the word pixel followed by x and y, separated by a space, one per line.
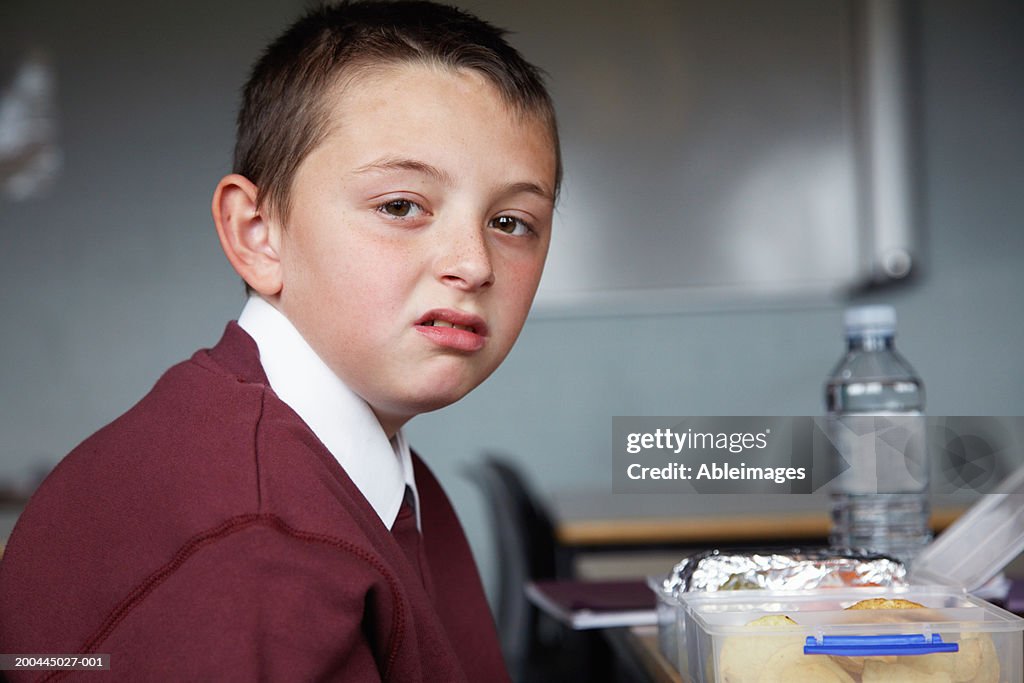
pixel 453 329
pixel 453 319
pixel 445 323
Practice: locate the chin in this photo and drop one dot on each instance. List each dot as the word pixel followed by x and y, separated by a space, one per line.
pixel 436 401
pixel 438 395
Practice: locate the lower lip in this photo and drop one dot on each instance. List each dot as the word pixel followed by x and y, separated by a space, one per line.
pixel 452 338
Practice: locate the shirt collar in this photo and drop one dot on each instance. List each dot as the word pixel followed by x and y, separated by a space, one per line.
pixel 380 468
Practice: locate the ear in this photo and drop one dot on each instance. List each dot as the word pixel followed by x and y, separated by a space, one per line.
pixel 250 240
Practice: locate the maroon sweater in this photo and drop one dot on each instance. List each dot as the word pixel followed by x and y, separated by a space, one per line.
pixel 207 534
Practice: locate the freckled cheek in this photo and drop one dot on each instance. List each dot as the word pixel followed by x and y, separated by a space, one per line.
pixel 522 278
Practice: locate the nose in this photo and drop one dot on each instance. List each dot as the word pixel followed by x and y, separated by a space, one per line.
pixel 464 259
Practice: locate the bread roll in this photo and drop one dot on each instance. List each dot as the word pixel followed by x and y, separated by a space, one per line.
pixel 976 660
pixel 855 665
pixel 790 665
pixel 883 672
pixel 743 658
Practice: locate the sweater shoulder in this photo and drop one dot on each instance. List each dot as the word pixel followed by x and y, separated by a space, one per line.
pixel 127 498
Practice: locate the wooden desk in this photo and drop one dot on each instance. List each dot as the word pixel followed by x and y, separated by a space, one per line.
pixel 636 651
pixel 586 521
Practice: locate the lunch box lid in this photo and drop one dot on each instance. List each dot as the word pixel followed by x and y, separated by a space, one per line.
pixel 979 544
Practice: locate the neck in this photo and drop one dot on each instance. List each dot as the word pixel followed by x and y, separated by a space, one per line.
pixel 389 423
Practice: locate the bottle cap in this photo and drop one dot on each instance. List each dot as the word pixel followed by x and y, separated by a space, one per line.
pixel 879 319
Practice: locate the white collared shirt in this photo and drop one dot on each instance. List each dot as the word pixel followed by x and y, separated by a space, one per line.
pixel 380 468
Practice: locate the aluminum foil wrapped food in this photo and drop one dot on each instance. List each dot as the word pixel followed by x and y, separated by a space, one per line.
pixel 795 569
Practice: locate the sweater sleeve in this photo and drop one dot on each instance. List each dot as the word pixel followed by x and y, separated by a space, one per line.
pixel 257 604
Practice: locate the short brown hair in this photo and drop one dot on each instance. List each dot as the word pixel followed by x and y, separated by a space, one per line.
pixel 283 115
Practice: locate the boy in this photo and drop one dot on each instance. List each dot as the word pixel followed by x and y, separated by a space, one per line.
pixel 259 515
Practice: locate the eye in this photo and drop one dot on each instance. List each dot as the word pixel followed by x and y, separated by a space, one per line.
pixel 510 225
pixel 400 208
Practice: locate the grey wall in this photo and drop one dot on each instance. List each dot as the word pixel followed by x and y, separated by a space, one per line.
pixel 117 273
pixel 550 405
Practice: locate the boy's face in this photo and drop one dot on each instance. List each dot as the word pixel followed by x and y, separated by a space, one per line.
pixel 429 201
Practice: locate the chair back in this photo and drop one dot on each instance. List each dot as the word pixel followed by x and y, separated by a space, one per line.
pixel 526 548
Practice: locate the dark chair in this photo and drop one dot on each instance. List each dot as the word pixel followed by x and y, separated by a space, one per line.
pixel 527 550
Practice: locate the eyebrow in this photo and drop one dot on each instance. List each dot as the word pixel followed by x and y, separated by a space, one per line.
pixel 530 188
pixel 387 164
pixel 397 164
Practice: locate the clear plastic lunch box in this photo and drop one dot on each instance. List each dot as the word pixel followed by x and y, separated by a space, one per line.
pixel 709 636
pixel 957 637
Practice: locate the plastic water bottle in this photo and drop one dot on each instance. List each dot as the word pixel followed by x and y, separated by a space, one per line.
pixel 881 502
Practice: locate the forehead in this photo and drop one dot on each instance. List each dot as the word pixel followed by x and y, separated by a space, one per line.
pixel 358 80
pixel 427 108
